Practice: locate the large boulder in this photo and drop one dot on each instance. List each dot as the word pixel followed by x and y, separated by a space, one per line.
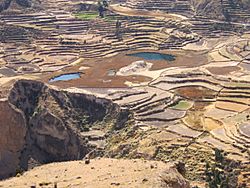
pixel 172 178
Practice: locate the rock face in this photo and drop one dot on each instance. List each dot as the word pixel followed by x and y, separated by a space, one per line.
pixel 230 10
pixel 171 178
pixel 12 140
pixel 212 9
pixel 55 121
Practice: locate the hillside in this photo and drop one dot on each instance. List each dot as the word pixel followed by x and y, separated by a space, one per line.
pixel 156 80
pixel 101 173
pixel 229 10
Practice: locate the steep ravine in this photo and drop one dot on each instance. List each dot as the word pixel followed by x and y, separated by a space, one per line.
pixel 44 124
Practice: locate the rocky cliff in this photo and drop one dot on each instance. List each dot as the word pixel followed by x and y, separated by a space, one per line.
pixel 12 140
pixel 41 124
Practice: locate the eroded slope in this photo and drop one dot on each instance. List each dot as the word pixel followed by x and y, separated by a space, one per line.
pixel 53 125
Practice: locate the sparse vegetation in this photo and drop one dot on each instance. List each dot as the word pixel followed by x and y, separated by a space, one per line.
pixel 182 105
pixel 102 7
pixel 19 172
pixel 175 112
pixel 222 173
pixel 85 123
pixel 86 15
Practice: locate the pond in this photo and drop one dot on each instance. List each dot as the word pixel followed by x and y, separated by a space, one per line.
pixel 153 56
pixel 65 77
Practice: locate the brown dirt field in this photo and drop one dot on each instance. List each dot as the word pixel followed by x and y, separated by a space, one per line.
pixel 195 93
pixel 187 59
pixel 223 70
pixel 146 13
pixel 97 74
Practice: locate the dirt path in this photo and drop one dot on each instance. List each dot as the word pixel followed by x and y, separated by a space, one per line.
pixel 156 14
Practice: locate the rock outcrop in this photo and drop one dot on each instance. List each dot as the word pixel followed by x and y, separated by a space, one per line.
pixel 12 140
pixel 51 124
pixel 171 178
pixel 212 9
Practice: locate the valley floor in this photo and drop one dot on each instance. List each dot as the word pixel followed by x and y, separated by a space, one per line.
pixel 181 110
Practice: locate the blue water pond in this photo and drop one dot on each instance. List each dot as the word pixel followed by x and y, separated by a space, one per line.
pixel 153 56
pixel 65 77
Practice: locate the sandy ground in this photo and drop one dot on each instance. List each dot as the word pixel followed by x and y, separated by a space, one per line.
pixel 6 81
pixel 99 173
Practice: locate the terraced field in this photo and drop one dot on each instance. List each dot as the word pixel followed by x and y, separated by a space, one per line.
pixel 195 109
pixel 45 42
pixel 181 110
